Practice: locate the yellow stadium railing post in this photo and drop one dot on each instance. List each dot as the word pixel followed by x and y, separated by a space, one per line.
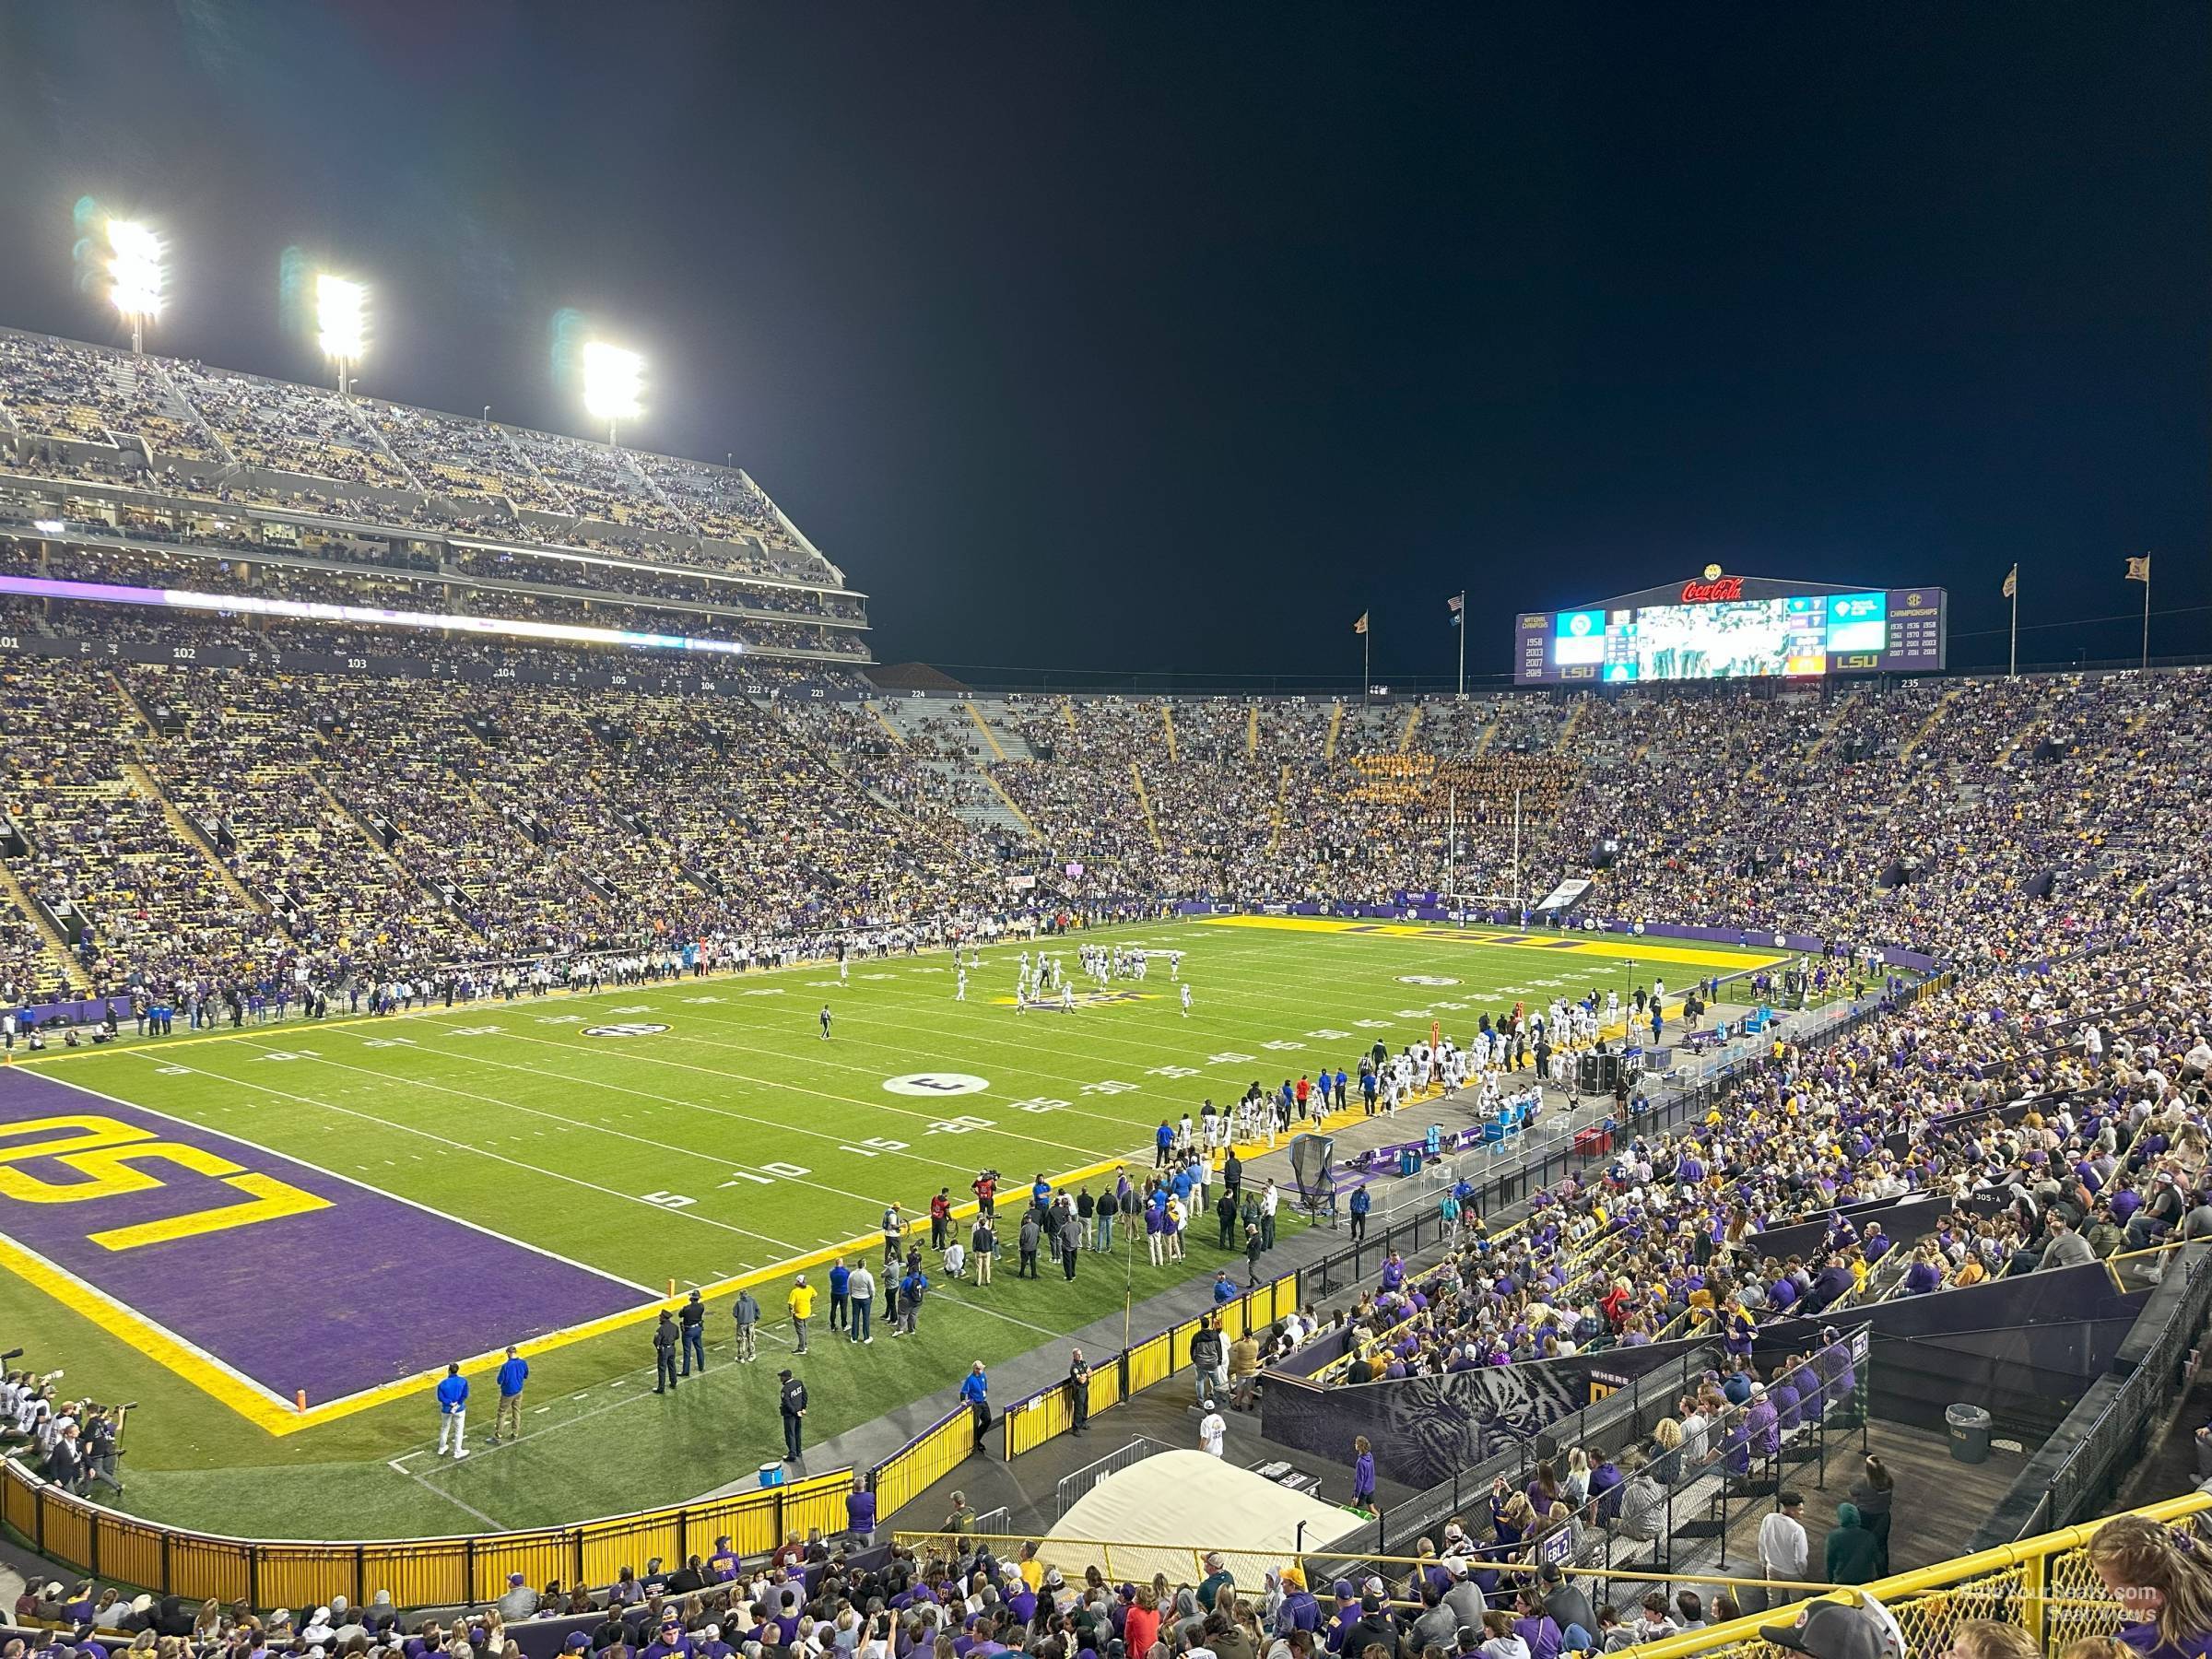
pixel 2035 1579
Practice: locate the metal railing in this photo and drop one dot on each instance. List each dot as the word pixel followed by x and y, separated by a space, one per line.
pixel 1073 1486
pixel 2089 1455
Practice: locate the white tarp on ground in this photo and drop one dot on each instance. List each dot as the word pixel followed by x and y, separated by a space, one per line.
pixel 1175 1505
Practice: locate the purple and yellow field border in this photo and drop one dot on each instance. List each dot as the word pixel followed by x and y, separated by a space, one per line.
pixel 262 1279
pixel 1640 948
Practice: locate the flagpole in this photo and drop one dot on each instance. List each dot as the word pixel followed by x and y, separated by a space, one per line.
pixel 2012 661
pixel 2147 615
pixel 1462 614
pixel 1367 637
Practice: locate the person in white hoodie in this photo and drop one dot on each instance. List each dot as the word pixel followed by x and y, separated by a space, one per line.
pixel 1500 1640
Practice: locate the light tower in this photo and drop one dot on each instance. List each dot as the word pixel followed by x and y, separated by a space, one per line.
pixel 612 379
pixel 341 322
pixel 134 276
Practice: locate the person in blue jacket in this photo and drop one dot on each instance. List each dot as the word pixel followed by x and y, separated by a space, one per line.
pixel 1362 1204
pixel 453 1411
pixel 508 1418
pixel 975 1389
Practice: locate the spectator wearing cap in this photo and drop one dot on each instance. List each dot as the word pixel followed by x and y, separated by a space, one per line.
pixel 520 1601
pixel 1217 1577
pixel 1762 1423
pixel 1299 1611
pixel 1564 1600
pixel 1345 1615
pixel 723 1562
pixel 1373 1629
pixel 1829 1629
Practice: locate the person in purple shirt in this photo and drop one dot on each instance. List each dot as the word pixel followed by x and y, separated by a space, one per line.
pixel 1393 1272
pixel 1806 1381
pixel 1344 1618
pixel 1605 1478
pixel 1788 1413
pixel 1836 1366
pixel 1535 1626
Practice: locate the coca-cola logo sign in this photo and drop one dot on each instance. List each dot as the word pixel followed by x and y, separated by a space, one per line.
pixel 1707 593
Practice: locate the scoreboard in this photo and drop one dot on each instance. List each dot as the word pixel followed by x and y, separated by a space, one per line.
pixel 1733 628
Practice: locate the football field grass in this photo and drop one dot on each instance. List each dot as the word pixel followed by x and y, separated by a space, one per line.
pixel 209 1225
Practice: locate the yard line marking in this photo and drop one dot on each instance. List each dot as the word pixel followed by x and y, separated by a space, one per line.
pixel 461 1503
pixel 287 1094
pixel 639 1054
pixel 390 1079
pixel 959 1301
pixel 719 1161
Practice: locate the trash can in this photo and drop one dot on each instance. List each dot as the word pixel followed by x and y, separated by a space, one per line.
pixel 1969 1433
pixel 771 1474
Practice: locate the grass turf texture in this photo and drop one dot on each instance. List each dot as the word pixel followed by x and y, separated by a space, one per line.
pixel 507 1116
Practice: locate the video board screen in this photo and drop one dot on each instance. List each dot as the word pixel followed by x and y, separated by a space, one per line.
pixel 1726 636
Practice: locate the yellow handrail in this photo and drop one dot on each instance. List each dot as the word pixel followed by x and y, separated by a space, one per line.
pixel 1941 1576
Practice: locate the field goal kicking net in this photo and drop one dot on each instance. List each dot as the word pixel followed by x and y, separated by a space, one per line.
pixel 1309 1156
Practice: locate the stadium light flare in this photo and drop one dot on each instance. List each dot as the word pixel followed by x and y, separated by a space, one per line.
pixel 134 274
pixel 341 321
pixel 613 379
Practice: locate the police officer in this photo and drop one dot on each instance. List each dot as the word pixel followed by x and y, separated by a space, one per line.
pixel 664 1353
pixel 793 1405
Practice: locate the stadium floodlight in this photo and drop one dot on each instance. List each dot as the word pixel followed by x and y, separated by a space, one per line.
pixel 341 318
pixel 134 274
pixel 613 379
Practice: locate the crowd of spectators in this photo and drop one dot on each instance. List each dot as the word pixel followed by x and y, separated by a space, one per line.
pixel 180 428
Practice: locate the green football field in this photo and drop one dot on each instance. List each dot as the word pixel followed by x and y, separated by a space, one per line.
pixel 487 1170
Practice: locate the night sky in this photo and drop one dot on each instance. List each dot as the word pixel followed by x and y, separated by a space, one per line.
pixel 1172 336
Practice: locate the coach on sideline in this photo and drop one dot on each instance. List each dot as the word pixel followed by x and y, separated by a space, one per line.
pixel 508 1418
